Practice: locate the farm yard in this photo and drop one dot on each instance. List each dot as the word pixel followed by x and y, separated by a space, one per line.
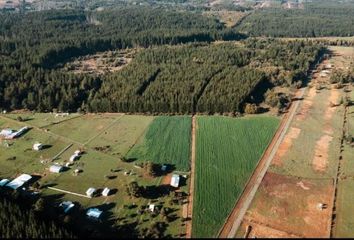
pixel 96 168
pixel 308 182
pixel 227 151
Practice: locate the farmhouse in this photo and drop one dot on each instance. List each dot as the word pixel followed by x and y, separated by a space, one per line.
pixel 67 205
pixel 19 181
pixel 11 134
pixel 3 182
pixel 56 168
pixel 175 180
pixel 37 146
pixel 94 213
pixel 90 192
pixel 106 192
pixel 6 132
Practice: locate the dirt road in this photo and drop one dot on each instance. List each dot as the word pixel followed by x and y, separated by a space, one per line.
pixel 234 220
pixel 191 188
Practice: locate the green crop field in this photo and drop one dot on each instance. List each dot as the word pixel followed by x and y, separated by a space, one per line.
pixel 227 152
pixel 167 141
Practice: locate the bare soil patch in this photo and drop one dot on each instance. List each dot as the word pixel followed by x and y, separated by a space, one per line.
pixel 320 161
pixel 305 109
pixel 285 145
pixel 166 180
pixel 282 197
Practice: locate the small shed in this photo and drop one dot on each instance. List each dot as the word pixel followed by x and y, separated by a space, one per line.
pixel 3 182
pixel 90 192
pixel 164 168
pixel 106 192
pixel 73 157
pixel 56 169
pixel 37 146
pixel 67 206
pixel 94 213
pixel 175 180
pixel 152 207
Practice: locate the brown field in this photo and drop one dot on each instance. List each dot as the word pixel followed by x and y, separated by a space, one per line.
pixel 320 160
pixel 283 197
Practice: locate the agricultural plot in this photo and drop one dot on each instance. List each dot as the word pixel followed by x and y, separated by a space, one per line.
pixel 99 169
pixel 85 128
pixel 42 119
pixel 301 182
pixel 167 141
pixel 121 136
pixel 227 152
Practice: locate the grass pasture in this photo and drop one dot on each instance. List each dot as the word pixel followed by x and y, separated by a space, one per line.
pixel 122 135
pixel 167 141
pixel 123 132
pixel 227 152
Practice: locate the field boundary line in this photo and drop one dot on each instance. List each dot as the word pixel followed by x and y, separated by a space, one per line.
pixel 192 181
pixel 107 127
pixel 246 197
pixel 65 120
pixel 64 191
pixel 62 151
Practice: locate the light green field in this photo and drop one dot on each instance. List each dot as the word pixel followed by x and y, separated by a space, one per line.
pixel 298 160
pixel 227 152
pixel 85 128
pixel 167 141
pixel 122 135
pixel 42 119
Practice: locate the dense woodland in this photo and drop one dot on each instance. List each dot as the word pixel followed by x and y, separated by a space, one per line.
pixel 202 78
pixel 316 19
pixel 18 221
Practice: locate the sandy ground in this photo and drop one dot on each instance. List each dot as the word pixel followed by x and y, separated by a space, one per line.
pixel 320 161
pixel 292 135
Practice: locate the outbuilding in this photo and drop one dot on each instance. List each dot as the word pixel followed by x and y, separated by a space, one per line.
pixel 3 182
pixel 106 192
pixel 175 180
pixel 37 146
pixel 67 206
pixel 94 213
pixel 90 192
pixel 19 181
pixel 56 168
pixel 73 157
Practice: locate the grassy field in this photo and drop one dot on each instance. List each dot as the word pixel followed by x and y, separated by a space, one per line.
pixel 87 132
pixel 167 141
pixel 227 152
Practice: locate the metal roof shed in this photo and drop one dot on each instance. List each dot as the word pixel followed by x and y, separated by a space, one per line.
pixel 94 213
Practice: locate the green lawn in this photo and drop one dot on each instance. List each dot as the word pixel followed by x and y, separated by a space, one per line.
pixel 227 152
pixel 167 141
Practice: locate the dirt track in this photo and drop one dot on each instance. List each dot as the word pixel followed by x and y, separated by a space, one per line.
pixel 191 188
pixel 234 220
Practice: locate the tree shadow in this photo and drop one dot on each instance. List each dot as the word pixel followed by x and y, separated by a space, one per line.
pixel 153 192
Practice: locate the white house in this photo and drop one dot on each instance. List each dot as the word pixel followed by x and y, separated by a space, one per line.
pixel 90 192
pixel 94 213
pixel 106 192
pixel 175 180
pixel 56 168
pixel 37 146
pixel 19 181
